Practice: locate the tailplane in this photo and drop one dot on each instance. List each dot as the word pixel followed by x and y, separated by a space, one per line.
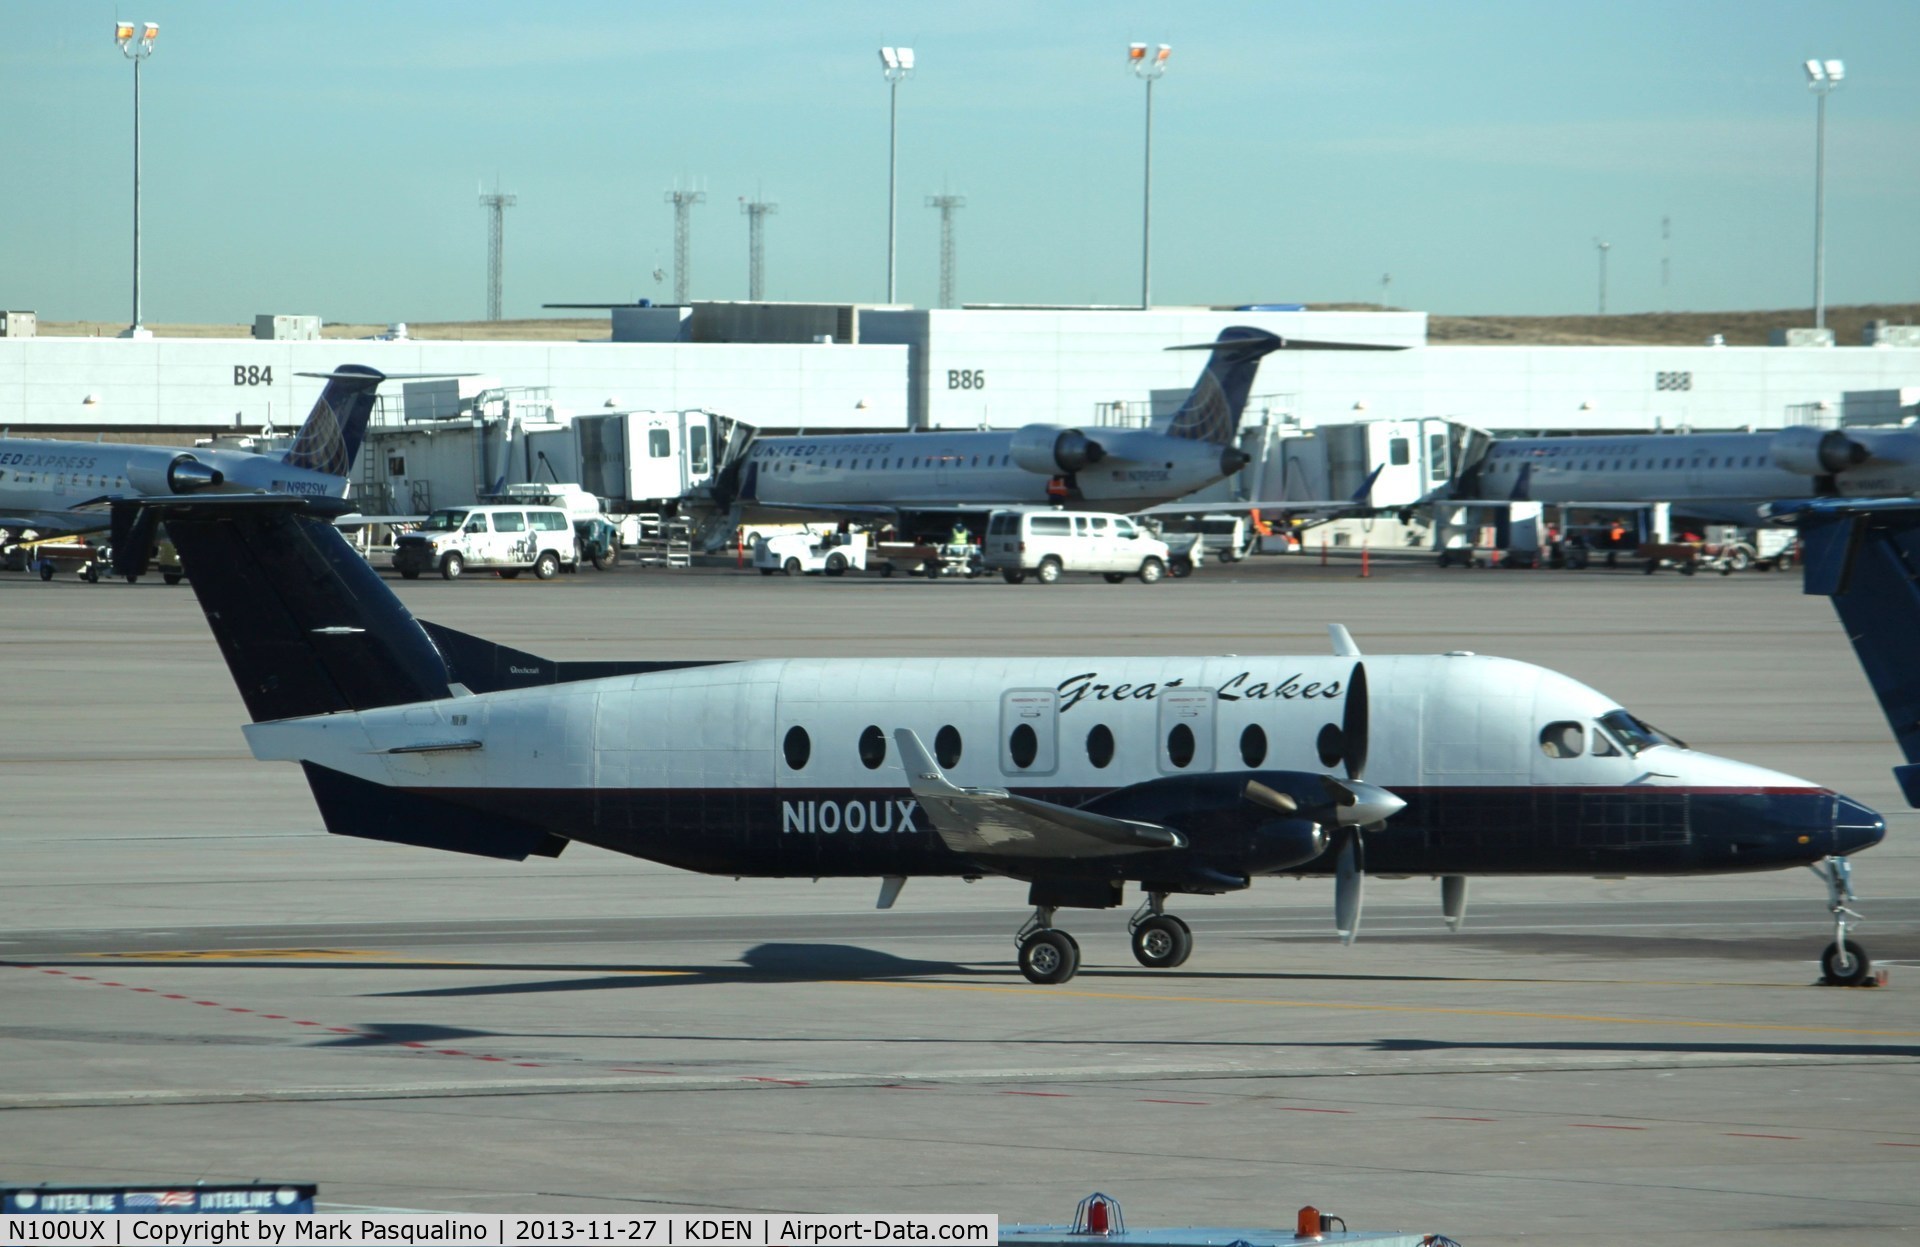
pixel 1211 412
pixel 330 439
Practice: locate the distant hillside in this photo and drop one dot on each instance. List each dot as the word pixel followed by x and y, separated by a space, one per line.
pixel 1640 329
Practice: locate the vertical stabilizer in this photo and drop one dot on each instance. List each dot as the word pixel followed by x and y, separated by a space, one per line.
pixel 1212 410
pixel 330 439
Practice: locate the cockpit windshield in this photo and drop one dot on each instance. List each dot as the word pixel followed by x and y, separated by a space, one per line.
pixel 1636 735
pixel 446 521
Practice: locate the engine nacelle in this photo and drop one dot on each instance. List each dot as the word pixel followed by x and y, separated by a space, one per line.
pixel 1816 452
pixel 183 474
pixel 1051 450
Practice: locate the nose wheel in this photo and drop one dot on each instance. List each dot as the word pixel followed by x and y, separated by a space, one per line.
pixel 1160 940
pixel 1047 955
pixel 1843 963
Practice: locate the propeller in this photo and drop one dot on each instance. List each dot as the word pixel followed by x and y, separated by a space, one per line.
pixel 1358 803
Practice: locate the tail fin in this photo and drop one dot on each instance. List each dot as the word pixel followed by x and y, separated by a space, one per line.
pixel 330 439
pixel 1212 410
pixel 306 626
pixel 1867 559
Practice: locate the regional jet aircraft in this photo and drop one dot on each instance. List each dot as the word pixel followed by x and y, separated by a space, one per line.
pixel 1716 476
pixel 1074 775
pixel 908 479
pixel 56 487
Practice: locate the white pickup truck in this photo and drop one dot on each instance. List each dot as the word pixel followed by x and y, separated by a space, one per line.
pixel 832 554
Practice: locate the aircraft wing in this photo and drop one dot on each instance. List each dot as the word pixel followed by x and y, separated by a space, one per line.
pixel 993 823
pixel 1325 508
pixel 774 512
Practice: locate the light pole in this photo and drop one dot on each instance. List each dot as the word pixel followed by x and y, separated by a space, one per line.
pixel 1147 67
pixel 136 47
pixel 1603 247
pixel 896 64
pixel 1822 78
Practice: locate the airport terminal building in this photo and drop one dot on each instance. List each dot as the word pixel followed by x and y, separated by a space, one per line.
pixel 820 368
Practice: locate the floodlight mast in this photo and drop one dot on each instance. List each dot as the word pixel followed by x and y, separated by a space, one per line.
pixel 1822 78
pixel 136 46
pixel 1147 66
pixel 896 65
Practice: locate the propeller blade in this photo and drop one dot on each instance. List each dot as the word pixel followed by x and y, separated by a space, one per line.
pixel 1353 723
pixel 1259 794
pixel 1349 882
pixel 1453 900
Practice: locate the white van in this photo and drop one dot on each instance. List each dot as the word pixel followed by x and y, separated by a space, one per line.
pixel 1046 544
pixel 506 539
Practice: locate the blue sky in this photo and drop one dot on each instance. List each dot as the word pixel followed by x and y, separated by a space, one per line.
pixel 326 157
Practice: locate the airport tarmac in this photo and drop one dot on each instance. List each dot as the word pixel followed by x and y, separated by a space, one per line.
pixel 201 984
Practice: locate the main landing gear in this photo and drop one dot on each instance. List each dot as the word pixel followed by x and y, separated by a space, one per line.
pixel 1049 955
pixel 1843 963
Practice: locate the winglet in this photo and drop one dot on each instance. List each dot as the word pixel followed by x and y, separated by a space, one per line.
pixel 1343 642
pixel 1365 492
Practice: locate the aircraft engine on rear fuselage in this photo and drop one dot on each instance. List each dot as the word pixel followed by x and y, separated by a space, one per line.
pixel 1816 452
pixel 183 474
pixel 1051 450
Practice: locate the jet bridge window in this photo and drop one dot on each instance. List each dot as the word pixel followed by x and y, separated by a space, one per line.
pixel 873 748
pixel 1399 452
pixel 1564 739
pixel 697 448
pixel 659 443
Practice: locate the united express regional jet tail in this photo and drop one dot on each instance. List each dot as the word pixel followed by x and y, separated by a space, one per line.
pixel 330 439
pixel 1211 412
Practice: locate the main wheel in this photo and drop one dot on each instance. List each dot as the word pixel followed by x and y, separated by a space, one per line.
pixel 1182 567
pixel 46 569
pixel 836 564
pixel 1011 576
pixel 1049 957
pixel 1689 567
pixel 1151 570
pixel 1048 571
pixel 1740 560
pixel 1162 942
pixel 1841 965
pixel 174 578
pixel 547 565
pixel 1113 578
pixel 451 565
pixel 930 569
pixel 406 573
pixel 509 573
pixel 791 567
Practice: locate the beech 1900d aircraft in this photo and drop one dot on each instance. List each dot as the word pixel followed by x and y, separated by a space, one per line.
pixel 56 487
pixel 904 478
pixel 1075 775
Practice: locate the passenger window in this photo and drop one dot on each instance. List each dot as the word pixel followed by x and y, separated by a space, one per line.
pixel 1023 746
pixel 946 746
pixel 1100 526
pixel 873 748
pixel 1079 525
pixel 509 522
pixel 1565 739
pixel 659 443
pixel 796 747
pixel 1180 745
pixel 1124 528
pixel 478 524
pixel 1253 745
pixel 1100 745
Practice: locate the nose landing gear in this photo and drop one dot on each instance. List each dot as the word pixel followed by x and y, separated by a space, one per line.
pixel 1843 963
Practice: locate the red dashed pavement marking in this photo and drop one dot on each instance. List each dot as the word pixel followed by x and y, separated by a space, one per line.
pixel 1051 1095
pixel 785 1082
pixel 277 1017
pixel 1594 1125
pixel 1286 1109
pixel 1883 1143
pixel 1742 1134
pixel 1461 1119
pixel 1202 1103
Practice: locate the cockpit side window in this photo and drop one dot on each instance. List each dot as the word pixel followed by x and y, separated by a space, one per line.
pixel 1603 746
pixel 1563 739
pixel 1636 735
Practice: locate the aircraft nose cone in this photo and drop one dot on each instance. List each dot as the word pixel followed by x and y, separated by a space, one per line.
pixel 1855 826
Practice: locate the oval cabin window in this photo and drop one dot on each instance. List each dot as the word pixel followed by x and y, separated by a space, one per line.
pixel 1100 745
pixel 1253 745
pixel 873 748
pixel 946 746
pixel 1023 746
pixel 796 747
